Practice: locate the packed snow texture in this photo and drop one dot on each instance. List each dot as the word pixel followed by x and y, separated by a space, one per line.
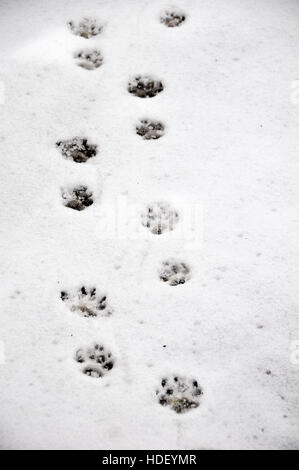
pixel 225 84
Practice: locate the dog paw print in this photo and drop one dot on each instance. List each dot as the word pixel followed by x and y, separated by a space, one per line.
pixel 88 59
pixel 174 272
pixel 180 394
pixel 77 149
pixel 87 302
pixel 96 360
pixel 172 18
pixel 159 217
pixel 145 86
pixel 86 28
pixel 77 198
pixel 150 130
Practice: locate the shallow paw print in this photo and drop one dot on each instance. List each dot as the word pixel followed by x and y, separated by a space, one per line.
pixel 159 217
pixel 179 393
pixel 150 130
pixel 86 28
pixel 77 149
pixel 97 361
pixel 174 272
pixel 172 18
pixel 89 59
pixel 145 86
pixel 87 302
pixel 78 198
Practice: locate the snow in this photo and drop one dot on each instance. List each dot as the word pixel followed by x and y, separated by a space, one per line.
pixel 230 151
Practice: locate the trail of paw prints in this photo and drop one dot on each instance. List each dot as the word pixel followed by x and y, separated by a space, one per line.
pixel 87 302
pixel 171 19
pixel 96 360
pixel 180 394
pixel 89 59
pixel 86 28
pixel 77 149
pixel 78 198
pixel 174 272
pixel 150 130
pixel 145 86
pixel 159 217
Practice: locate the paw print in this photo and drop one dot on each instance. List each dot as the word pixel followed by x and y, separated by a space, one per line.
pixel 178 393
pixel 174 272
pixel 86 28
pixel 150 130
pixel 159 217
pixel 89 59
pixel 96 360
pixel 87 302
pixel 77 149
pixel 172 18
pixel 145 86
pixel 78 198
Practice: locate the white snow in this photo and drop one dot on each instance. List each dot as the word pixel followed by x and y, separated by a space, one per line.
pixel 230 150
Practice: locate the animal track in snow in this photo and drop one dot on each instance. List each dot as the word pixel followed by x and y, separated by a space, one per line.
pixel 159 217
pixel 87 302
pixel 77 149
pixel 89 59
pixel 97 360
pixel 78 198
pixel 172 18
pixel 145 86
pixel 174 272
pixel 86 28
pixel 150 130
pixel 179 393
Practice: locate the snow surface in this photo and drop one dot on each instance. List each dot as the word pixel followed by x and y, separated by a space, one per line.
pixel 230 147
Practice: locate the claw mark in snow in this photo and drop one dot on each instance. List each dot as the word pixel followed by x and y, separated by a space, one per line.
pixel 172 18
pixel 145 86
pixel 77 149
pixel 87 302
pixel 150 130
pixel 179 393
pixel 97 360
pixel 86 28
pixel 159 217
pixel 78 198
pixel 174 272
pixel 89 59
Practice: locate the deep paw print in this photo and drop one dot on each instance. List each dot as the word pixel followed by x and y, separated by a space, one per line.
pixel 179 394
pixel 145 86
pixel 172 18
pixel 159 217
pixel 78 198
pixel 86 28
pixel 89 59
pixel 77 149
pixel 87 302
pixel 174 272
pixel 150 130
pixel 96 360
